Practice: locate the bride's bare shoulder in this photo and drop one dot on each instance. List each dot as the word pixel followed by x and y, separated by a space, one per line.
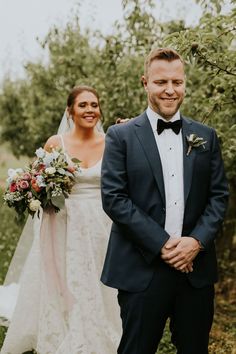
pixel 53 142
pixel 101 137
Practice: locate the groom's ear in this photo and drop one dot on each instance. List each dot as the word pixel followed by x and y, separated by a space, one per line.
pixel 144 81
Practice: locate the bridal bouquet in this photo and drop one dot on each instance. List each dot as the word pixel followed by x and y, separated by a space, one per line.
pixel 45 183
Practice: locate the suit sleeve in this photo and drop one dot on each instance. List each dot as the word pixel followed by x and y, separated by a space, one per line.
pixel 208 224
pixel 146 234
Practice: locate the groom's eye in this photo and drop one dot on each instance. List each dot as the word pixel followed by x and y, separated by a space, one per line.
pixel 159 82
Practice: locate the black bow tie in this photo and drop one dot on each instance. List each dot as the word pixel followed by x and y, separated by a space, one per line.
pixel 175 126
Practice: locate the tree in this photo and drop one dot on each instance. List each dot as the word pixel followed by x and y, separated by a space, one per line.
pixel 111 63
pixel 32 108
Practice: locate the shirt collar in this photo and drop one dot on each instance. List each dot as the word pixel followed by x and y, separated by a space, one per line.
pixel 153 117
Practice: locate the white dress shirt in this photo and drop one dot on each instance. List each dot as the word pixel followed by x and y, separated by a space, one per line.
pixel 170 146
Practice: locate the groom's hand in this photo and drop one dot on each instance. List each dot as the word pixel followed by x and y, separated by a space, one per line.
pixel 169 247
pixel 180 252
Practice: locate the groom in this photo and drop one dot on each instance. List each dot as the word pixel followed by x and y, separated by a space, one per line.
pixel 166 192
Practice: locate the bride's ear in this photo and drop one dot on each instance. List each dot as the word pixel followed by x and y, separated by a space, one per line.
pixel 68 113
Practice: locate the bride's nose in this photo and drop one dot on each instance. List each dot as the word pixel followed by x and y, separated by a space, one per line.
pixel 89 108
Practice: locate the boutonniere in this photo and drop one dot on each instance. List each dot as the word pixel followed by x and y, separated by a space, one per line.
pixel 194 141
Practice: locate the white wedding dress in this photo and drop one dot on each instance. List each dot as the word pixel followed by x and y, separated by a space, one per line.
pixel 62 307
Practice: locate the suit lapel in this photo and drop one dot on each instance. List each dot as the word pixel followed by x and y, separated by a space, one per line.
pixel 188 161
pixel 145 135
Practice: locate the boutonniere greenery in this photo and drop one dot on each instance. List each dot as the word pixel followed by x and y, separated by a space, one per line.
pixel 194 141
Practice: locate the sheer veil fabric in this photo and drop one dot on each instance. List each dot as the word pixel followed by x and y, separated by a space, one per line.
pixel 41 319
pixel 25 243
pixel 10 289
pixel 11 283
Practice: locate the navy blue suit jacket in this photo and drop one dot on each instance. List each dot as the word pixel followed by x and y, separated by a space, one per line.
pixel 133 196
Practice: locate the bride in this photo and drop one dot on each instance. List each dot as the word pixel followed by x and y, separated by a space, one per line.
pixel 61 305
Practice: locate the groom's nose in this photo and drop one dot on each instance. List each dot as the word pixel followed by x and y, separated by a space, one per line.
pixel 169 88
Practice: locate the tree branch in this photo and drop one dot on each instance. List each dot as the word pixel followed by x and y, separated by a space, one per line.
pixel 226 32
pixel 214 64
pixel 209 114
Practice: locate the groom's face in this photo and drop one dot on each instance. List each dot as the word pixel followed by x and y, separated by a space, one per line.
pixel 165 86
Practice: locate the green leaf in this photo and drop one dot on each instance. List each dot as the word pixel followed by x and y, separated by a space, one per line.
pixel 58 201
pixel 75 160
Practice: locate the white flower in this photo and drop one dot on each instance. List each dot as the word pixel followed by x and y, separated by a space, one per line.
pixel 50 170
pixel 57 192
pixel 34 205
pixel 9 197
pixel 40 153
pixel 40 181
pixel 61 171
pixel 13 172
pixel 55 154
pixel 50 157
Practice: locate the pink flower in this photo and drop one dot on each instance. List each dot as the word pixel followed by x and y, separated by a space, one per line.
pixel 71 169
pixel 24 184
pixel 13 187
pixel 26 176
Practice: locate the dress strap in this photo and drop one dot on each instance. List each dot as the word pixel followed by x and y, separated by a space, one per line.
pixel 62 142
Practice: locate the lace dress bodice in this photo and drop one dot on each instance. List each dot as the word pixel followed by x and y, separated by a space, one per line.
pixel 88 182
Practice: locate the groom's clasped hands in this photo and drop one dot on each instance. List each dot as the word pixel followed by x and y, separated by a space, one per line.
pixel 180 252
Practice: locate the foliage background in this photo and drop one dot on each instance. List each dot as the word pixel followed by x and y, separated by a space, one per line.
pixel 31 108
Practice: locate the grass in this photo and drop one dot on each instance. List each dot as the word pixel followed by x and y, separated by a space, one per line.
pixel 223 334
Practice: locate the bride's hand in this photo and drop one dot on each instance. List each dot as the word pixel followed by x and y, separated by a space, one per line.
pixel 122 120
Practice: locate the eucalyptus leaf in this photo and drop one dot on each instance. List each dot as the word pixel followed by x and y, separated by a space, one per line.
pixel 75 160
pixel 58 201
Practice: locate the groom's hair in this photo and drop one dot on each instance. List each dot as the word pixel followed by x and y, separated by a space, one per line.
pixel 167 54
